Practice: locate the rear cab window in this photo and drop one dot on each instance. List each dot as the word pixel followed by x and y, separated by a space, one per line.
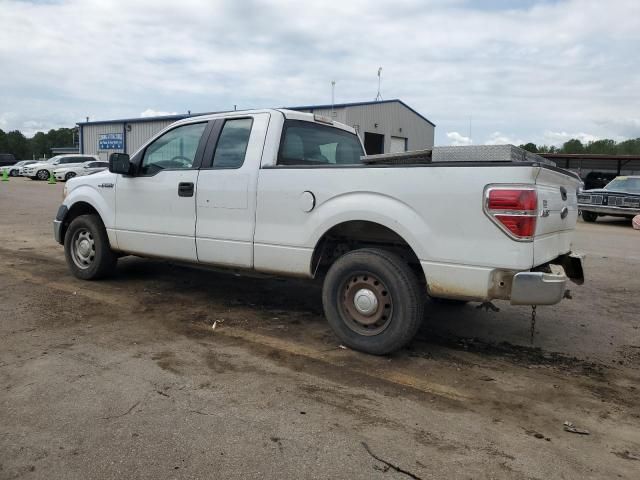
pixel 308 143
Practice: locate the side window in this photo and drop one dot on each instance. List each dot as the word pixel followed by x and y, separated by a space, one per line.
pixel 92 165
pixel 176 149
pixel 102 164
pixel 307 143
pixel 232 143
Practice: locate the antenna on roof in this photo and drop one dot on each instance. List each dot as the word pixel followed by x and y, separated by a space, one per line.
pixel 379 95
pixel 333 97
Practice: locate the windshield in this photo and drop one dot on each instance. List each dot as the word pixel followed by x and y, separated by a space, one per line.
pixel 624 184
pixel 54 159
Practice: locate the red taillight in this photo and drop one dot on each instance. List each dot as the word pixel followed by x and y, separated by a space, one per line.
pixel 514 210
pixel 512 199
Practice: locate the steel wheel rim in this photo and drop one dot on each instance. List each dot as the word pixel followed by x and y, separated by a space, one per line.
pixel 43 175
pixel 83 249
pixel 366 304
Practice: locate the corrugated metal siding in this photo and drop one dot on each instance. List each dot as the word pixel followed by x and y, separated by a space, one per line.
pixel 138 136
pixel 90 135
pixel 393 119
pixel 141 132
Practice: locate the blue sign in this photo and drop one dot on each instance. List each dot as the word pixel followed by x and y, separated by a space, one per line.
pixel 110 141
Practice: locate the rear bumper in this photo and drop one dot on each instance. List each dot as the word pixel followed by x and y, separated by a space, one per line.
pixel 608 210
pixel 539 288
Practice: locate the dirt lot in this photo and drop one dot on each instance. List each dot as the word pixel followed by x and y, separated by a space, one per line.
pixel 125 378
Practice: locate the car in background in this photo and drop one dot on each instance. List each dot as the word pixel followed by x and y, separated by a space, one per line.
pixel 619 198
pixel 87 168
pixel 597 179
pixel 43 170
pixel 7 159
pixel 14 170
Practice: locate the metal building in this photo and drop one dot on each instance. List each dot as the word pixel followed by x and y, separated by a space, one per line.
pixel 384 126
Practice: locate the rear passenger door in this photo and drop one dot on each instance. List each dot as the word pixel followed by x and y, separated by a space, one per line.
pixel 226 191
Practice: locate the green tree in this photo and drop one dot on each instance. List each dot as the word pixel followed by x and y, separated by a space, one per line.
pixel 605 146
pixel 530 147
pixel 629 147
pixel 18 144
pixel 572 146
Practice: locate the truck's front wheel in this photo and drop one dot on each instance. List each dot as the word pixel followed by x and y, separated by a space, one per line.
pixel 589 216
pixel 373 301
pixel 87 250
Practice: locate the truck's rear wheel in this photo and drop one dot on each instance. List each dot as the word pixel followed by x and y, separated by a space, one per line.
pixel 373 301
pixel 87 249
pixel 589 216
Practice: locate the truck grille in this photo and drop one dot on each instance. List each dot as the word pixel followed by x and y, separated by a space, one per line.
pixel 615 201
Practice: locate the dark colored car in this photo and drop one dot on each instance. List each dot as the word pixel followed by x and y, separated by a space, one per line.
pixel 597 179
pixel 7 159
pixel 619 198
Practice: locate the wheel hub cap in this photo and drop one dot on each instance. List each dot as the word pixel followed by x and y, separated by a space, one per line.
pixel 365 301
pixel 366 304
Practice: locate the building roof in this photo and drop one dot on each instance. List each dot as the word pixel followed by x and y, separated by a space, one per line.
pixel 588 156
pixel 304 107
pixel 361 104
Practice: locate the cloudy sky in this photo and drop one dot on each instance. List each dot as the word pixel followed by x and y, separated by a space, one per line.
pixel 497 71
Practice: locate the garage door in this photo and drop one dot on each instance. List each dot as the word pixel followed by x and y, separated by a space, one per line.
pixel 398 144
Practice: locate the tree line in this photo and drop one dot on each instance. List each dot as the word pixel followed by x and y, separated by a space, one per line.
pixel 38 146
pixel 600 147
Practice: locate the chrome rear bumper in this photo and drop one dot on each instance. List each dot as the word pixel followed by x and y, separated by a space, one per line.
pixel 539 288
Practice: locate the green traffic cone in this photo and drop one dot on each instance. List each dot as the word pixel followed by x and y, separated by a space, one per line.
pixel 52 178
pixel 5 176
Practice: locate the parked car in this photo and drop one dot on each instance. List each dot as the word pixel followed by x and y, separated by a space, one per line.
pixel 68 172
pixel 7 159
pixel 14 170
pixel 290 193
pixel 43 170
pixel 597 179
pixel 619 198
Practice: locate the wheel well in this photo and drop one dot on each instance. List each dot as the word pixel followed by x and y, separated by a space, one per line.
pixel 357 234
pixel 77 209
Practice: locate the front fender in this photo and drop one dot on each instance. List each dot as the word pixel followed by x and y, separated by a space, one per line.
pixel 374 207
pixel 91 195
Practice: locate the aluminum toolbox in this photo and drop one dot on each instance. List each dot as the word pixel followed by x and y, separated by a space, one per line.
pixel 472 153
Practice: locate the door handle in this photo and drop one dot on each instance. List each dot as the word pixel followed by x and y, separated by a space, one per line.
pixel 185 189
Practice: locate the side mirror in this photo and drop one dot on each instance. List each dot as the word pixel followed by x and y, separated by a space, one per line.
pixel 119 163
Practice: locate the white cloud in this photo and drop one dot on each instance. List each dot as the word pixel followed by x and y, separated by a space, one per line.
pixel 556 66
pixel 498 138
pixel 558 138
pixel 458 139
pixel 149 112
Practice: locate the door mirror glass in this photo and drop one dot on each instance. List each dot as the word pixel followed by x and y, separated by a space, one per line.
pixel 119 163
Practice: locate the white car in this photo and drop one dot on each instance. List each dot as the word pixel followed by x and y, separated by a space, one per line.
pixel 14 170
pixel 291 193
pixel 43 170
pixel 87 168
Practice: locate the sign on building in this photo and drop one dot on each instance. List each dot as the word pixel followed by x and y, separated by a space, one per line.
pixel 110 141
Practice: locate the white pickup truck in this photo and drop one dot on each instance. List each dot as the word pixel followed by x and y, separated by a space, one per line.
pixel 290 193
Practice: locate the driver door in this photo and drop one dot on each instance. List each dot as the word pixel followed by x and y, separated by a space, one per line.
pixel 156 207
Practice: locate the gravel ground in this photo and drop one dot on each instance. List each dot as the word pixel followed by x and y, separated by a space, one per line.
pixel 125 378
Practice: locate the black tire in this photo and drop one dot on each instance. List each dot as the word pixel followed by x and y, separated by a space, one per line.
pixel 13 173
pixel 42 174
pixel 93 259
pixel 69 176
pixel 589 217
pixel 398 294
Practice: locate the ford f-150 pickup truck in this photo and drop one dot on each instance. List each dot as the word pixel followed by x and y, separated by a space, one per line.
pixel 291 193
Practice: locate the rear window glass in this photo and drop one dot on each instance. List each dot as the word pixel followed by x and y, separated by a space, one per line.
pixel 232 144
pixel 307 143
